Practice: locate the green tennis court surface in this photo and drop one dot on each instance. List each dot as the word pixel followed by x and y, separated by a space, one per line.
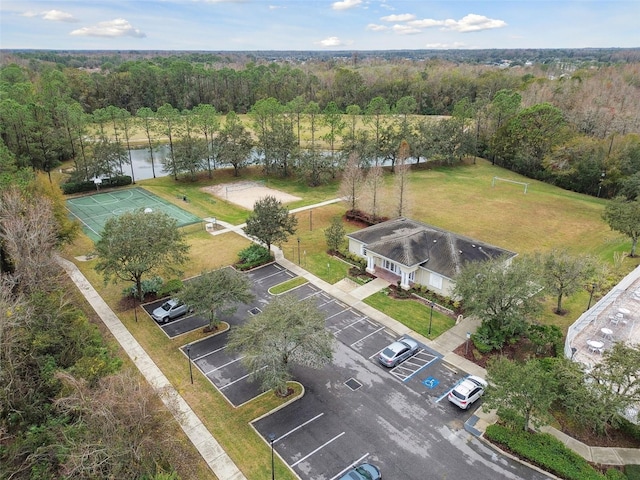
pixel 93 210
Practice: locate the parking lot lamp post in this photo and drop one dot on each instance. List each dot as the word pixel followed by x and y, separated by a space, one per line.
pixel 593 288
pixel 189 356
pixel 272 437
pixel 298 250
pixel 431 304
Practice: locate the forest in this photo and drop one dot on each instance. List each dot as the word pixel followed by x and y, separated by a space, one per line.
pixel 572 122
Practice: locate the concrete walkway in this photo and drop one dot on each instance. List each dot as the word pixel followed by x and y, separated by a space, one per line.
pixel 211 451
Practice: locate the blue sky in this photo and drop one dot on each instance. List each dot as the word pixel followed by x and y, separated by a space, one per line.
pixel 317 24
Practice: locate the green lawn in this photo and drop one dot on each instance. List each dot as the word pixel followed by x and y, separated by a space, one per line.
pixel 459 199
pixel 413 314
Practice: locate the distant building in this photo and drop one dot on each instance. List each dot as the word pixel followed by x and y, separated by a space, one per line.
pixel 420 253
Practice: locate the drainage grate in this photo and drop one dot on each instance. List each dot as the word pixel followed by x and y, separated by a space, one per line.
pixel 353 384
pixel 255 311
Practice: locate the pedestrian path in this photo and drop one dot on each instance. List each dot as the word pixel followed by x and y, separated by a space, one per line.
pixel 212 453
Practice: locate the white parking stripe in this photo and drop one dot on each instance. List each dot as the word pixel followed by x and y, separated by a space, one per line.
pixel 357 462
pixel 207 354
pixel 299 427
pixel 339 313
pixel 317 449
pixel 238 379
pixel 222 366
pixel 367 336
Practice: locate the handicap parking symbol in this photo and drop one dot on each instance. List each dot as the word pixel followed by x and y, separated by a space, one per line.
pixel 430 382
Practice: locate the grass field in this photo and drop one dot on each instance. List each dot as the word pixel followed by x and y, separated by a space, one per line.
pixel 458 199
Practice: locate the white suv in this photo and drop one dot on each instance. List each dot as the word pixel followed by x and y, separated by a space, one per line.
pixel 467 392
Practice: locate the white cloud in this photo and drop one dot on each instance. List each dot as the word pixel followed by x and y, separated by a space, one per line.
pixel 53 15
pixel 474 23
pixel 426 23
pixel 405 29
pixel 445 46
pixel 468 23
pixel 345 4
pixel 275 7
pixel 377 28
pixel 58 16
pixel 112 28
pixel 405 17
pixel 331 42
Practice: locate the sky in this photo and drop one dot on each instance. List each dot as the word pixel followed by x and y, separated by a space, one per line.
pixel 258 25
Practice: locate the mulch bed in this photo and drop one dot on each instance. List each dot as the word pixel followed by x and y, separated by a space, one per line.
pixel 523 350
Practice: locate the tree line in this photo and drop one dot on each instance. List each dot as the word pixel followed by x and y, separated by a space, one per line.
pixel 577 131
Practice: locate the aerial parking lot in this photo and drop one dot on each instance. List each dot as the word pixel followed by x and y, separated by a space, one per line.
pixel 354 410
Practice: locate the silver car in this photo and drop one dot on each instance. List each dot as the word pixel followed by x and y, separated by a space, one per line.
pixel 365 471
pixel 467 392
pixel 398 352
pixel 169 310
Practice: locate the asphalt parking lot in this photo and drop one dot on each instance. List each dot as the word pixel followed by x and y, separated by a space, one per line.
pixel 356 410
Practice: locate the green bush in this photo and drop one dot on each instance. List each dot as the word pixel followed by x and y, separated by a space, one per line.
pixel 77 187
pixel 546 451
pixel 632 472
pixel 151 285
pixel 253 256
pixel 172 286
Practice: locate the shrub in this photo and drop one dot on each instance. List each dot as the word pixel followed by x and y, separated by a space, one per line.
pixel 253 256
pixel 544 450
pixel 172 286
pixel 77 187
pixel 149 286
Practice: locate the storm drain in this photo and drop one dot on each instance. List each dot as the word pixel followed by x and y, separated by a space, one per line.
pixel 353 384
pixel 255 311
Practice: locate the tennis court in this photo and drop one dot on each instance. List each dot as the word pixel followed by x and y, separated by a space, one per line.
pixel 93 210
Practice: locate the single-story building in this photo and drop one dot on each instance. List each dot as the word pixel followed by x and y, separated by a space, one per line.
pixel 420 253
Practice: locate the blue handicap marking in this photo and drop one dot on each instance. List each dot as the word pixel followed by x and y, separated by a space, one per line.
pixel 430 382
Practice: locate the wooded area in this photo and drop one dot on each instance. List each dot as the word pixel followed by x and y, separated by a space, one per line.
pixel 571 123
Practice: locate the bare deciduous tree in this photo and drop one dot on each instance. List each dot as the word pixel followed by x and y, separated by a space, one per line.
pixel 28 237
pixel 374 182
pixel 401 180
pixel 351 184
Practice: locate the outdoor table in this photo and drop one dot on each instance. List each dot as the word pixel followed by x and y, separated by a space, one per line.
pixel 595 346
pixel 607 333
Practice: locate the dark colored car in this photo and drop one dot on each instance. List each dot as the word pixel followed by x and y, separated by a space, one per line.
pixel 365 471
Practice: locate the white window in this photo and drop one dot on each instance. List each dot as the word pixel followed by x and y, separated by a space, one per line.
pixel 435 280
pixel 412 276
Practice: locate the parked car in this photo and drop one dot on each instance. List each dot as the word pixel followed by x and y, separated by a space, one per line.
pixel 398 352
pixel 169 310
pixel 467 392
pixel 365 471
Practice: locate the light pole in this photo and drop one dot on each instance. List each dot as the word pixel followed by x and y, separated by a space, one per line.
pixel 298 250
pixel 466 346
pixel 593 288
pixel 272 438
pixel 189 356
pixel 431 316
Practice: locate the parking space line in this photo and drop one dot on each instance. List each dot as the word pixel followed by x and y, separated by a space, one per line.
pixel 222 366
pixel 449 391
pixel 367 336
pixel 299 427
pixel 349 326
pixel 357 462
pixel 315 294
pixel 317 449
pixel 339 313
pixel 238 379
pixel 208 353
pixel 420 369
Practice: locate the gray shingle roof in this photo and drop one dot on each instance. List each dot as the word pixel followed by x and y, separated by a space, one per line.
pixel 412 243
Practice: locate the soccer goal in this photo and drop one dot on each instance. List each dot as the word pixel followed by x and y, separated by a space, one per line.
pixel 498 179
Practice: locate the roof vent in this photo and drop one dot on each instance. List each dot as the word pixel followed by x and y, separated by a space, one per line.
pixel 460 252
pixel 473 245
pixel 435 241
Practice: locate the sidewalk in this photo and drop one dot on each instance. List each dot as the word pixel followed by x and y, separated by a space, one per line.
pixel 445 344
pixel 211 451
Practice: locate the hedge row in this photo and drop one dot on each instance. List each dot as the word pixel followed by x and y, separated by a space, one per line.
pixel 78 187
pixel 545 451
